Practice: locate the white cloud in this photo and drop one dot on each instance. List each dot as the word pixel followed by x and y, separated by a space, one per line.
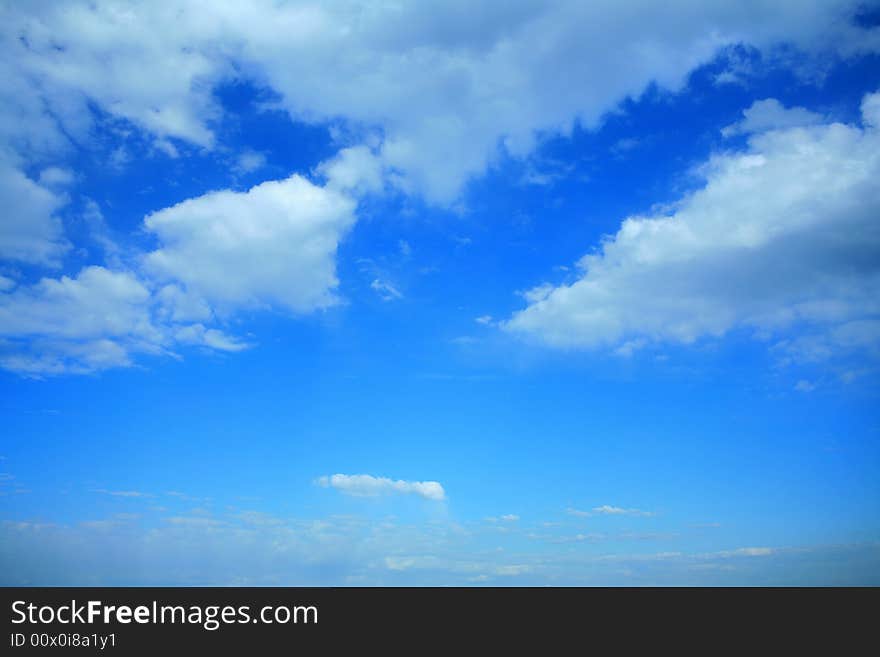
pixel 356 169
pixel 364 485
pixel 510 517
pixel 804 386
pixel 782 235
pixel 30 230
pixel 609 510
pixel 249 161
pixel 385 290
pixel 122 493
pixel 769 114
pixel 94 321
pixel 208 337
pixel 95 304
pixel 56 177
pixel 274 245
pixel 82 324
pixel 745 552
pixel 443 92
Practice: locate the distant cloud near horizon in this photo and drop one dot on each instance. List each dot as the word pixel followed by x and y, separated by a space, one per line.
pixel 608 510
pixel 364 485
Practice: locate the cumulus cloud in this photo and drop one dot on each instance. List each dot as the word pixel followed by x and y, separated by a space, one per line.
pixel 84 323
pixel 30 230
pixel 356 169
pixel 274 245
pixel 364 485
pixel 781 236
pixel 770 114
pixel 94 321
pixel 155 65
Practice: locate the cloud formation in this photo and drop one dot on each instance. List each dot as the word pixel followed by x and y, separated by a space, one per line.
pixel 76 70
pixel 155 65
pixel 781 236
pixel 30 231
pixel 364 485
pixel 609 510
pixel 272 246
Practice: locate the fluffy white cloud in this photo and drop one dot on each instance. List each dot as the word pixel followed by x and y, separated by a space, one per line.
pixel 30 231
pixel 782 235
pixel 249 161
pixel 356 169
pixel 80 324
pixel 94 321
pixel 422 99
pixel 364 485
pixel 274 245
pixel 97 303
pixel 770 114
pixel 443 91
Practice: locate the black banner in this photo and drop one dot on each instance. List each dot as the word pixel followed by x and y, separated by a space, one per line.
pixel 129 621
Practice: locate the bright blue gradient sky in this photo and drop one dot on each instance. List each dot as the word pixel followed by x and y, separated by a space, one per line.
pixel 297 294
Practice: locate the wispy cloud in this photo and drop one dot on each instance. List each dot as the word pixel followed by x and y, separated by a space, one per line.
pixel 608 510
pixel 385 290
pixel 122 493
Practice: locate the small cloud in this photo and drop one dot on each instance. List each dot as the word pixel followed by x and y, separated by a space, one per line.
pixel 485 320
pixel 628 348
pixel 804 386
pixel 195 521
pixel 385 290
pixel 770 114
pixel 364 485
pixel 121 493
pixel 510 517
pixel 623 146
pixel 537 293
pixel 608 510
pixel 512 570
pixel 56 177
pixel 119 159
pixel 850 375
pixel 746 552
pixel 405 248
pixel 249 161
pixel 165 146
pixel 577 513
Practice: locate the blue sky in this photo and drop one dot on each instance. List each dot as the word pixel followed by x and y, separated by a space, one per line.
pixel 440 293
